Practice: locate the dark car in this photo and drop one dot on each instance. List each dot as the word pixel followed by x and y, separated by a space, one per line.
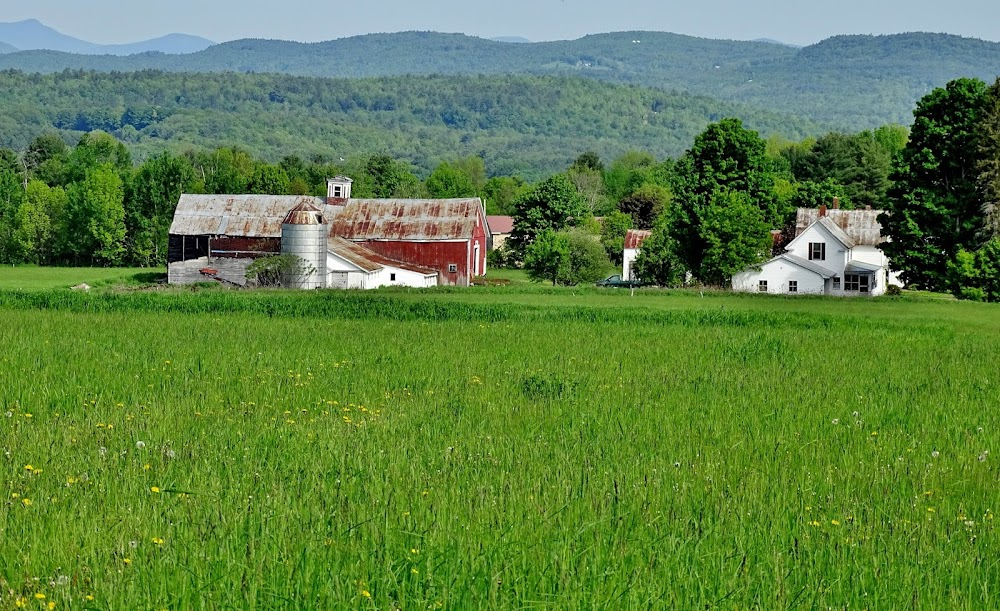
pixel 616 281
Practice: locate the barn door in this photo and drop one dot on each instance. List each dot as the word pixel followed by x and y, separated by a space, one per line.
pixel 338 280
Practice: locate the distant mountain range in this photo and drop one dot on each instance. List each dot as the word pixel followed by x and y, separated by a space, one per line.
pixel 845 82
pixel 33 35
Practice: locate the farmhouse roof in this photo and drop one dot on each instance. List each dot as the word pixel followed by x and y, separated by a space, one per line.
pixel 635 237
pixel 406 219
pixel 369 260
pixel 861 226
pixel 261 216
pixel 806 265
pixel 500 224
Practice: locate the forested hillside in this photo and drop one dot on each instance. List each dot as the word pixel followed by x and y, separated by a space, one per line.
pixel 6 48
pixel 850 82
pixel 522 125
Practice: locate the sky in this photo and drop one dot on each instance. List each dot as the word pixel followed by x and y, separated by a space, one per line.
pixel 799 22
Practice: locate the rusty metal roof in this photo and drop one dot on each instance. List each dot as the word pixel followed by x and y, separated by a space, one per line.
pixel 635 237
pixel 406 219
pixel 304 214
pixel 250 216
pixel 500 224
pixel 861 226
pixel 261 216
pixel 369 260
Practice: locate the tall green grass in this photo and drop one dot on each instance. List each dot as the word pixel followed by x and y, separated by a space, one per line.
pixel 222 449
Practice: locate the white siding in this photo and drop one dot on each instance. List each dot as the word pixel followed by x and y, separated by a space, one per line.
pixel 778 273
pixel 837 255
pixel 628 259
pixel 403 277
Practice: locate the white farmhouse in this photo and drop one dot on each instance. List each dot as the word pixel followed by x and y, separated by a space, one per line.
pixel 834 252
pixel 633 242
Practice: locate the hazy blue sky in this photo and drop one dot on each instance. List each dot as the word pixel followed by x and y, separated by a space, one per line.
pixel 794 21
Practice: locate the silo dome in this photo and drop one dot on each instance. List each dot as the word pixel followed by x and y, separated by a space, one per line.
pixel 304 234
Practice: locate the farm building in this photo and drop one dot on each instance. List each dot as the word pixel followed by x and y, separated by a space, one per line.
pixel 834 252
pixel 347 243
pixel 500 229
pixel 633 242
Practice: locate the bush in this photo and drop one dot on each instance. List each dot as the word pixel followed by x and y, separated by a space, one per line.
pixel 894 290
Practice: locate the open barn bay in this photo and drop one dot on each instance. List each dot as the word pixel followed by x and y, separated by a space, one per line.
pixel 571 449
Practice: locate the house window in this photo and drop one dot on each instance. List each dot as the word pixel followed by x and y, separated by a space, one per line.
pixel 852 282
pixel 338 191
pixel 817 251
pixel 453 268
pixel 836 282
pixel 762 286
pixel 392 277
pixel 793 286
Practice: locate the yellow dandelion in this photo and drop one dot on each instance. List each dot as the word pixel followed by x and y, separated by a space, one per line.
pixel 28 468
pixel 835 522
pixel 146 467
pixel 127 561
pixel 154 490
pixel 51 605
pixel 26 502
pixel 814 523
pixel 89 597
pixel 930 510
pixel 414 551
pixel 366 593
pixel 157 540
pixel 21 602
pixel 40 596
pixel 415 571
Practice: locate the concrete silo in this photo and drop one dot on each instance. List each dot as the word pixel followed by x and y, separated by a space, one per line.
pixel 304 234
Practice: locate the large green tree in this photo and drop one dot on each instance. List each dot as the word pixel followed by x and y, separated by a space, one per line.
pixel 725 158
pixel 934 207
pixel 736 237
pixel 553 204
pixel 151 197
pixel 97 217
pixel 658 261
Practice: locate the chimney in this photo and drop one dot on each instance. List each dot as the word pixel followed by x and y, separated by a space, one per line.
pixel 338 190
pixel 822 210
pixel 836 203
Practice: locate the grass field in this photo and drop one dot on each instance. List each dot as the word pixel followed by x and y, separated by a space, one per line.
pixel 496 448
pixel 31 278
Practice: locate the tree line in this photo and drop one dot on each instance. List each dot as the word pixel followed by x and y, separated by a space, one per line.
pixel 711 211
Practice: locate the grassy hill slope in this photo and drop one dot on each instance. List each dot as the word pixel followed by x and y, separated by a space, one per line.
pixel 851 81
pixel 519 124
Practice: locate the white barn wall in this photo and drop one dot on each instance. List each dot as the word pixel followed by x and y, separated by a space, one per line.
pixel 778 273
pixel 628 258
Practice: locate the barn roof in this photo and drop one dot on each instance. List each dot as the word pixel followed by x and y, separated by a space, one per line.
pixel 500 224
pixel 261 216
pixel 369 260
pixel 406 219
pixel 861 226
pixel 248 216
pixel 635 237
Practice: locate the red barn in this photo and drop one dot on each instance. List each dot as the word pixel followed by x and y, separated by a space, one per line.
pixel 226 232
pixel 445 235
